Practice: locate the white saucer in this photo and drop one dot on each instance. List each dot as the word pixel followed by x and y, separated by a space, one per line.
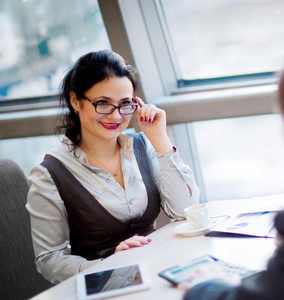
pixel 186 229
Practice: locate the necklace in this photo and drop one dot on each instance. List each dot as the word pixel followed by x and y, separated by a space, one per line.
pixel 114 173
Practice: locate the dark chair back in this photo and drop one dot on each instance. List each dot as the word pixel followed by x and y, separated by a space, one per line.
pixel 19 278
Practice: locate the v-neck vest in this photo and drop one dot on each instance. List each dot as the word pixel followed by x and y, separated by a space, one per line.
pixel 94 232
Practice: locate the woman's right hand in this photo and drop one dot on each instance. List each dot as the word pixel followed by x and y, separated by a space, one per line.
pixel 208 272
pixel 134 241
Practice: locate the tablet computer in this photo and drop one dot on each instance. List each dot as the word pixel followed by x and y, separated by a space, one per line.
pixel 113 282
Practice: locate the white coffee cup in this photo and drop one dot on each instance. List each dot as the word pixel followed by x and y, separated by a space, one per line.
pixel 197 215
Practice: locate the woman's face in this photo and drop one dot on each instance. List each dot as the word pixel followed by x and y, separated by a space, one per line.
pixel 95 126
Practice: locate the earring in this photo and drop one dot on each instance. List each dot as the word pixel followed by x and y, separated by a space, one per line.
pixel 76 112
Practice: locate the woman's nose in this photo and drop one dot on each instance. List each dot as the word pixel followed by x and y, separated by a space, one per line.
pixel 115 114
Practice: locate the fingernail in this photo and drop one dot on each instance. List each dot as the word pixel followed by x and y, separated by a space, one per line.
pixel 142 243
pixel 146 119
pixel 141 119
pixel 150 120
pixel 149 240
pixel 129 246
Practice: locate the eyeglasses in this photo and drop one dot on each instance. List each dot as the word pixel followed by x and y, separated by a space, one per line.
pixel 106 108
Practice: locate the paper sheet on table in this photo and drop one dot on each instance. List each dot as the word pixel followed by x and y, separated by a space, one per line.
pixel 265 203
pixel 258 224
pixel 254 219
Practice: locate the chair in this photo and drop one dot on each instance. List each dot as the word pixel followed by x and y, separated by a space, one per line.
pixel 18 275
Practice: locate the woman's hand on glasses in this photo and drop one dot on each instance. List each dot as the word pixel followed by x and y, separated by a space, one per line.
pixel 152 121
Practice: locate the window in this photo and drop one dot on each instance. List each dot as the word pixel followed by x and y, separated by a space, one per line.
pixel 224 134
pixel 221 38
pixel 28 151
pixel 39 40
pixel 240 157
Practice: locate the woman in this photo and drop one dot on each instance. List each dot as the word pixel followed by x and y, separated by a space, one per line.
pixel 101 192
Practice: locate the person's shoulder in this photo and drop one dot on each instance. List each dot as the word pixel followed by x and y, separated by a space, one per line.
pixel 217 288
pixel 40 170
pixel 279 222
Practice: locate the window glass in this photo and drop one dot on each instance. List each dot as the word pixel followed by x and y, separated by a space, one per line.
pixel 40 40
pixel 217 38
pixel 28 151
pixel 241 157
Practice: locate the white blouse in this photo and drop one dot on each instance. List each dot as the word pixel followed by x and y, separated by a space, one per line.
pixel 49 219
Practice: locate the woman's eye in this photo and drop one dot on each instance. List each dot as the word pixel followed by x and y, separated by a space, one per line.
pixel 101 102
pixel 125 102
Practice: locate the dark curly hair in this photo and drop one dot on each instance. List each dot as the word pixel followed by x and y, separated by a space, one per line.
pixel 87 71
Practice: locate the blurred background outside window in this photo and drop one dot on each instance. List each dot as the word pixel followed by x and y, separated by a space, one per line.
pixel 219 38
pixel 241 157
pixel 40 40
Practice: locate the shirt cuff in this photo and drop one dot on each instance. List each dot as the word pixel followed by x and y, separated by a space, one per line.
pixel 171 161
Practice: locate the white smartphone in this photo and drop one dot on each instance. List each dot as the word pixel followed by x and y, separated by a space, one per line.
pixel 113 282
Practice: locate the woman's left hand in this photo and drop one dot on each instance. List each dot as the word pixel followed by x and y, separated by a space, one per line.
pixel 134 241
pixel 152 121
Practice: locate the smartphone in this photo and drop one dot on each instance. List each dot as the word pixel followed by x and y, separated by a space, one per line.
pixel 181 273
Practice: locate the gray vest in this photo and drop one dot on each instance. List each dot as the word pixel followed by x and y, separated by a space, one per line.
pixel 94 232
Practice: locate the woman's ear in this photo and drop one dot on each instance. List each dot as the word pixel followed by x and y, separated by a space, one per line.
pixel 74 102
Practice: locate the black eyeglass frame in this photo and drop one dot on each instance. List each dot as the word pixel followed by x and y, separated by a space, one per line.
pixel 114 107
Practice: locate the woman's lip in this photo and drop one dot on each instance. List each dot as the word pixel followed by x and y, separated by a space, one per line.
pixel 110 126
